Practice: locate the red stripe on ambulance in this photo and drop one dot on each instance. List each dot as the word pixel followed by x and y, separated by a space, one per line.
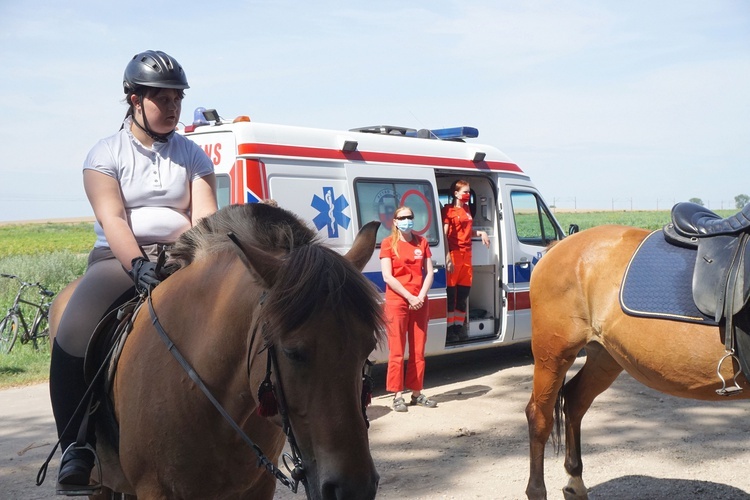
pixel 518 301
pixel 372 156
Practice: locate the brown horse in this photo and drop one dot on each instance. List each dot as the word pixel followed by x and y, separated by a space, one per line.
pixel 575 305
pixel 227 308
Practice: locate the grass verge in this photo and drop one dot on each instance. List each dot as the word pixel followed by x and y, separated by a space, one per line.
pixel 24 366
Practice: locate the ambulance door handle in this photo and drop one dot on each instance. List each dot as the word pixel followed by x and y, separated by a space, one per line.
pixel 524 264
pixel 436 267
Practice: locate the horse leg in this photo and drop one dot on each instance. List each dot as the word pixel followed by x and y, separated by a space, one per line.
pixel 549 374
pixel 596 375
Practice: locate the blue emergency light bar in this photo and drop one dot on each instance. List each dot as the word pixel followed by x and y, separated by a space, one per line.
pixel 445 134
pixel 455 133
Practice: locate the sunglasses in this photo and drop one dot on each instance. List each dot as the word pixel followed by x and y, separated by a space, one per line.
pixel 404 217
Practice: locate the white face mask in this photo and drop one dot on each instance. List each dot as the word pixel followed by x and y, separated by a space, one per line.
pixel 405 226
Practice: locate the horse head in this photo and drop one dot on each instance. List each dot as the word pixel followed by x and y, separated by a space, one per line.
pixel 290 310
pixel 320 319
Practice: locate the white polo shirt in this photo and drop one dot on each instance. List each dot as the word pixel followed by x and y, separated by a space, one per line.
pixel 155 183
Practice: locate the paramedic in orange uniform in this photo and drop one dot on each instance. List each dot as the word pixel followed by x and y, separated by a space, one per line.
pixel 458 229
pixel 407 272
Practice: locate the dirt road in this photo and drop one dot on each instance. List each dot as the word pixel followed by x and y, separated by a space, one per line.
pixel 638 444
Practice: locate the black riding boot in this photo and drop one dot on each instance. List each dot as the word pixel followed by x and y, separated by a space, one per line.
pixel 67 387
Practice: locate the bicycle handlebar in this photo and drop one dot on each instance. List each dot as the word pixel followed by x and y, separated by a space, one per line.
pixel 42 290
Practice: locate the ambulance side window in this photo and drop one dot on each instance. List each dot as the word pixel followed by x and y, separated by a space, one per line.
pixel 378 199
pixel 223 190
pixel 534 223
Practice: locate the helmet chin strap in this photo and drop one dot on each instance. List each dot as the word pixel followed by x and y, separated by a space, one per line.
pixel 147 129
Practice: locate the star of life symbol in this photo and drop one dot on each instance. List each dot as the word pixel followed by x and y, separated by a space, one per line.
pixel 331 212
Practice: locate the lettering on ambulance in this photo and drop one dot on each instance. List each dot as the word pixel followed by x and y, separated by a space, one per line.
pixel 330 212
pixel 213 151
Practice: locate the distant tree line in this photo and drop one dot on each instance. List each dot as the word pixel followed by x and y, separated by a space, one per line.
pixel 739 201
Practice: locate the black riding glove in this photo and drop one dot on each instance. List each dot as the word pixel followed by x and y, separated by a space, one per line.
pixel 144 274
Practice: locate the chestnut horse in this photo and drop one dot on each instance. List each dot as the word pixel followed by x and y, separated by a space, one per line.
pixel 277 294
pixel 575 305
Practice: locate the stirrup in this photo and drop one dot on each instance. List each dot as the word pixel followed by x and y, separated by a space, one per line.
pixel 76 490
pixel 735 389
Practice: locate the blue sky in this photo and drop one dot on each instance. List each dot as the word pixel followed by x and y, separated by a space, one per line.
pixel 605 104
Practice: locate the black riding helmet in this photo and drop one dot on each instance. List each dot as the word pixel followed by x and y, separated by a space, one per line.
pixel 153 69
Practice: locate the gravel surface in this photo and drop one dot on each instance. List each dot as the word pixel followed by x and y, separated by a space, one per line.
pixel 637 443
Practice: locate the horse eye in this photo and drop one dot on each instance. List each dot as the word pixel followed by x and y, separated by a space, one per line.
pixel 295 355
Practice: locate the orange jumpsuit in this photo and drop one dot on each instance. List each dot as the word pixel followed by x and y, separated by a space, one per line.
pixel 460 229
pixel 402 322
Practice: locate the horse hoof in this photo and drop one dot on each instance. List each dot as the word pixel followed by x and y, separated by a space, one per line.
pixel 575 490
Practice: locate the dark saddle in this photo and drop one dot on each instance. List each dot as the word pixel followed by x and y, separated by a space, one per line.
pixel 721 279
pixel 100 365
pixel 106 344
pixel 693 220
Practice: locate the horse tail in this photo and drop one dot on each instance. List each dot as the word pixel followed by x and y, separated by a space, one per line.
pixel 559 420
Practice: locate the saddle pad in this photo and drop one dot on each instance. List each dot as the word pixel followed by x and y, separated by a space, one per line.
pixel 658 282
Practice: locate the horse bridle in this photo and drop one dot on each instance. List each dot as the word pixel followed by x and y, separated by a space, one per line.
pixel 296 468
pixel 263 460
pixel 272 400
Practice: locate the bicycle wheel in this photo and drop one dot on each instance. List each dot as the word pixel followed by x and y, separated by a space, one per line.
pixel 40 337
pixel 8 333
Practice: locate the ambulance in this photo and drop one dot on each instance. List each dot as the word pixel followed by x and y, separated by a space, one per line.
pixel 339 180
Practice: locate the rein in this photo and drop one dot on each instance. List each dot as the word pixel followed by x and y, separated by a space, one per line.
pixel 297 472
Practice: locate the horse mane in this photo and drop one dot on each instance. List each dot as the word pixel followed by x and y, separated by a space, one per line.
pixel 259 224
pixel 313 278
pixel 316 278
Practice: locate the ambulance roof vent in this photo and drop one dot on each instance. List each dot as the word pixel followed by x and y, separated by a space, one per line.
pixel 444 134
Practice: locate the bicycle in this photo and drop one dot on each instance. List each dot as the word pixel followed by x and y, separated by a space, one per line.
pixel 15 320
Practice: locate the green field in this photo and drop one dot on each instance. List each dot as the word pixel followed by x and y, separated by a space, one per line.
pixel 646 219
pixel 54 254
pixel 51 254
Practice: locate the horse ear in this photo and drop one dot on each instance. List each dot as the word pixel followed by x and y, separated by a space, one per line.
pixel 364 245
pixel 262 264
